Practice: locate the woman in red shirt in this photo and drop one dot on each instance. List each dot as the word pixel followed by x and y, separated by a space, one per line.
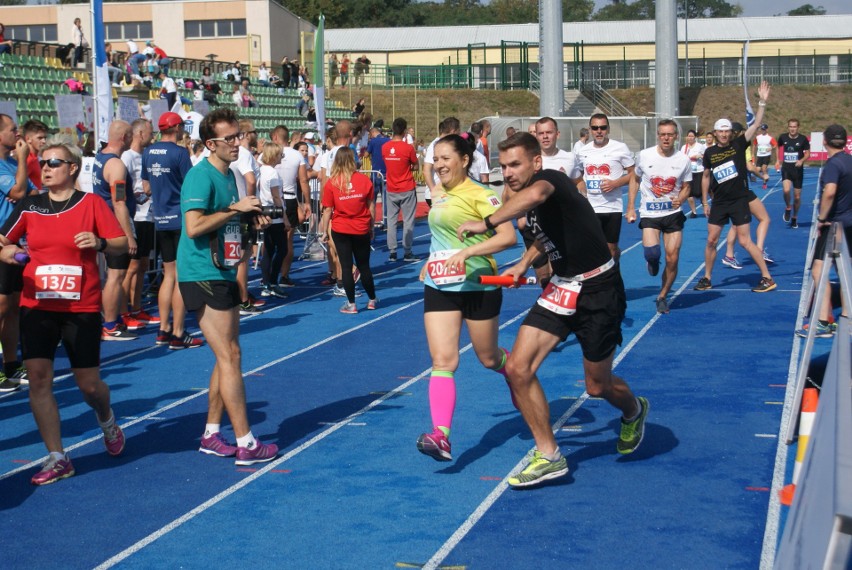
pixel 64 229
pixel 349 195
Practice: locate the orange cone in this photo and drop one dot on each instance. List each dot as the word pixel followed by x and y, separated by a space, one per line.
pixel 810 398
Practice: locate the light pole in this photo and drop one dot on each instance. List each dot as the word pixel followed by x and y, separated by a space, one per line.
pixel 686 36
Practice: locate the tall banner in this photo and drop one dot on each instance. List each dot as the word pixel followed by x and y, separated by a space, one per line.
pixel 748 109
pixel 100 77
pixel 319 77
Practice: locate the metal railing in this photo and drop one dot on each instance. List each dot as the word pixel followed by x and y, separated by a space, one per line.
pixel 602 98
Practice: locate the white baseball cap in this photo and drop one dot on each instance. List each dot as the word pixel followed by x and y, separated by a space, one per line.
pixel 309 136
pixel 722 125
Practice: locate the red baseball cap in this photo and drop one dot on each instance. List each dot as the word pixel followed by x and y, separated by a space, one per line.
pixel 169 120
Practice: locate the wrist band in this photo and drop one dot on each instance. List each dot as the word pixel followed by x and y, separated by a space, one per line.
pixel 488 224
pixel 761 103
pixel 102 244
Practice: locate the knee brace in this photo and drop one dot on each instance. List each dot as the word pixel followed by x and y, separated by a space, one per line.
pixel 652 253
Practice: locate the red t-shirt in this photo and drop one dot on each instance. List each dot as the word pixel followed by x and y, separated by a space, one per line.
pixel 399 156
pixel 34 170
pixel 60 276
pixel 351 209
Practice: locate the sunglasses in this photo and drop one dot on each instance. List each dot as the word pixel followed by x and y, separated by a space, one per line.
pixel 53 162
pixel 230 139
pixel 599 127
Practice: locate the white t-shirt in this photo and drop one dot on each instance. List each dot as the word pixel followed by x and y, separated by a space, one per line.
pixel 324 161
pixel 563 161
pixel 429 157
pixel 695 153
pixel 263 74
pixel 661 180
pixel 244 164
pixel 133 162
pixel 288 170
pixel 269 185
pixel 409 139
pixel 577 146
pixel 169 85
pixel 479 166
pixel 608 162
pixel 132 47
pixel 764 145
pixel 84 180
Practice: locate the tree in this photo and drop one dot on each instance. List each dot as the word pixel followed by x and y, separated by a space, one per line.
pixel 645 10
pixel 807 10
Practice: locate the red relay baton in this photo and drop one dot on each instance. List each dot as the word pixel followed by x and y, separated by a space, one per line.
pixel 505 280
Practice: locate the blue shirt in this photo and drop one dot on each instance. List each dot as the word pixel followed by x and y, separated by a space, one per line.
pixel 164 166
pixel 838 170
pixel 101 188
pixel 8 172
pixel 374 147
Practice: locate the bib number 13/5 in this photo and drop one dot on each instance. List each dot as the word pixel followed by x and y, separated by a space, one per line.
pixel 58 282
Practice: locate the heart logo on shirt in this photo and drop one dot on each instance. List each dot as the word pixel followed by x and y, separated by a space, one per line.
pixel 661 186
pixel 597 170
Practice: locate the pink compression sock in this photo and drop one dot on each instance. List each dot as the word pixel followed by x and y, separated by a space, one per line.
pixel 442 399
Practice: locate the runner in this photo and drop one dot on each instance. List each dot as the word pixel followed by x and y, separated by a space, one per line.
pixel 694 150
pixel 764 143
pixel 61 300
pixel 793 150
pixel 452 293
pixel 663 176
pixel 211 245
pixel 586 297
pixel 725 172
pixel 607 166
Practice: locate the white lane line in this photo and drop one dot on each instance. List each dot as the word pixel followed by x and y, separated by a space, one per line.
pixel 501 488
pixel 270 466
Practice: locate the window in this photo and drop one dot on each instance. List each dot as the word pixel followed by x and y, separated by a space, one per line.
pixel 214 28
pixel 34 33
pixel 128 31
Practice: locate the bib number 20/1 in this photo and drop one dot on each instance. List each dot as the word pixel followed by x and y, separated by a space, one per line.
pixel 440 273
pixel 560 296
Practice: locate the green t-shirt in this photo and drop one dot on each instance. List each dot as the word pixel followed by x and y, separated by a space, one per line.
pixel 208 190
pixel 469 201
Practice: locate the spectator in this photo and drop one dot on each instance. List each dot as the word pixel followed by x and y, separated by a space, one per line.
pixel 333 69
pixel 362 67
pixel 582 141
pixel 113 68
pixel 163 60
pixel 263 75
pixel 285 72
pixel 35 135
pixel 134 58
pixel 248 98
pixel 237 96
pixel 75 86
pixel 168 89
pixel 294 74
pixel 80 42
pixel 344 71
pixel 510 131
pixel 6 45
pixel 235 74
pixel 409 136
pixel 358 108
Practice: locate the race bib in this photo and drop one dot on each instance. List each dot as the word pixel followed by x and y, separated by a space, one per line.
pixel 233 244
pixel 440 273
pixel 560 296
pixel 58 282
pixel 658 206
pixel 791 156
pixel 764 149
pixel 593 185
pixel 696 165
pixel 725 171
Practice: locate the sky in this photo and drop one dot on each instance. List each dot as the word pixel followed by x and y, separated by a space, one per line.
pixel 760 8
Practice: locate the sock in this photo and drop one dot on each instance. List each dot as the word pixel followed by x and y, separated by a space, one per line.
pixel 58 455
pixel 210 429
pixel 111 324
pixel 638 407
pixel 247 441
pixel 502 368
pixel 652 254
pixel 555 456
pixel 442 399
pixel 11 367
pixel 109 423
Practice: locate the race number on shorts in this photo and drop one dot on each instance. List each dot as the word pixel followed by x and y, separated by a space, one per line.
pixel 440 273
pixel 560 296
pixel 58 282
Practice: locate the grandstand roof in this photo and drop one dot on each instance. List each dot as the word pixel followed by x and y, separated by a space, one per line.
pixel 595 33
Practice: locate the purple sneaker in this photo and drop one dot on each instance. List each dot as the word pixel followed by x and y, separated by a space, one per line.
pixel 216 445
pixel 435 445
pixel 260 453
pixel 114 440
pixel 52 471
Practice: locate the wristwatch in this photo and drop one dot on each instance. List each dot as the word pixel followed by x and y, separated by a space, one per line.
pixel 488 224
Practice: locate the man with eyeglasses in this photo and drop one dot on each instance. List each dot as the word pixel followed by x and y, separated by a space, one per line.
pixel 14 185
pixel 607 166
pixel 210 249
pixel 663 176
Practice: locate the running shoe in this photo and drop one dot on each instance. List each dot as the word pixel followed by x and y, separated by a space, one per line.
pixel 653 268
pixel 338 291
pixel 662 306
pixel 633 432
pixel 822 331
pixel 539 470
pixel 188 341
pixel 132 323
pixel 766 257
pixel 163 337
pixel 703 285
pixel 143 316
pixel 20 376
pixel 693 215
pixel 764 184
pixel 410 257
pixel 794 223
pixel 273 291
pixel 260 453
pixel 787 213
pixel 392 256
pixel 328 281
pixel 114 439
pixel 53 470
pixel 117 332
pixel 349 308
pixel 731 262
pixel 255 301
pixel 7 384
pixel 216 444
pixel 286 282
pixel 372 304
pixel 435 445
pixel 248 308
pixel 766 284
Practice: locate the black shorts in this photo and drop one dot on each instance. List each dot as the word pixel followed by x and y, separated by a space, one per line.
pixel 474 305
pixel 596 324
pixel 695 186
pixel 11 278
pixel 144 239
pixel 666 224
pixel 793 174
pixel 738 212
pixel 220 294
pixel 80 333
pixel 763 160
pixel 168 242
pixel 291 209
pixel 611 224
pixel 751 195
pixel 120 261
